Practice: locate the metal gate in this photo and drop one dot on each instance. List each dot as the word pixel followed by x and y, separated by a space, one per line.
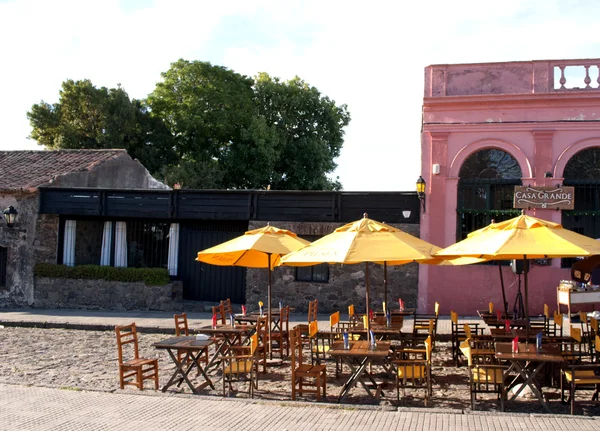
pixel 204 282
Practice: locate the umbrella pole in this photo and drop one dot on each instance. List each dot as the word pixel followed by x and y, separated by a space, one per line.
pixel 385 286
pixel 503 292
pixel 269 307
pixel 525 271
pixel 367 286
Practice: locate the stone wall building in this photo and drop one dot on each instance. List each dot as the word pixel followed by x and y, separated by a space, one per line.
pixel 34 237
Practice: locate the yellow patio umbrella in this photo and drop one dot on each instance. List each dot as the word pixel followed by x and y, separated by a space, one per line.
pixel 522 237
pixel 258 248
pixel 365 241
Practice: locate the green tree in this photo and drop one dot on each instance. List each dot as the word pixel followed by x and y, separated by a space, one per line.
pixel 96 118
pixel 235 132
pixel 310 133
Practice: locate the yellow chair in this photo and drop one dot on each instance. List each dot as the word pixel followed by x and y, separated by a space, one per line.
pixel 484 378
pixel 581 376
pixel 413 370
pixel 239 363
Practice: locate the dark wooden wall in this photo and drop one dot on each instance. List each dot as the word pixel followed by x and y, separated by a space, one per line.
pixel 306 206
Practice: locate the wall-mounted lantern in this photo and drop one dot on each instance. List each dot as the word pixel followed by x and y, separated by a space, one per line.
pixel 421 191
pixel 10 215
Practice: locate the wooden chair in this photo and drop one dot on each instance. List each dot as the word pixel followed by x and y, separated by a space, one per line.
pixel 484 377
pixel 581 376
pixel 239 363
pixel 219 311
pixel 413 370
pixel 306 378
pixel 555 326
pixel 262 346
pixel 137 369
pixel 458 334
pixel 182 329
pixel 312 315
pixel 227 309
pixel 421 323
pixel 281 336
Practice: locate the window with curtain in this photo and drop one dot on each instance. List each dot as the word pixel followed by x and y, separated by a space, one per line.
pixel 582 172
pixel 316 273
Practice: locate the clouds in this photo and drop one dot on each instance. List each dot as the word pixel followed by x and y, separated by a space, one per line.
pixel 369 56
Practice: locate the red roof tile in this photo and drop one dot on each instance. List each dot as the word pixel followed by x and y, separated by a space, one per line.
pixel 32 169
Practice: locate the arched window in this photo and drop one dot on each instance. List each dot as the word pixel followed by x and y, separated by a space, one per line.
pixel 582 171
pixel 485 190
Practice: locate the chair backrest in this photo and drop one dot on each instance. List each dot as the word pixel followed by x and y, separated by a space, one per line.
pixel 227 309
pixel 547 311
pixel 296 346
pixel 253 343
pixel 334 319
pixel 437 309
pixel 491 308
pixel 313 328
pixel 467 330
pixel 558 319
pixel 127 334
pixel 465 348
pixel 597 344
pixel 454 317
pixel 312 310
pixel 428 348
pixel 576 334
pixel 351 311
pixel 181 324
pixel 594 324
pixel 219 311
pixel 583 318
pixel 261 327
pixel 284 319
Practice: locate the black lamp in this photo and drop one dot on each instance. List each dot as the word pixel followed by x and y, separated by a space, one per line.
pixel 10 215
pixel 421 191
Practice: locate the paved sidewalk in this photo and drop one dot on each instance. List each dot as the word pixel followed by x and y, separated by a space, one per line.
pixel 151 321
pixel 45 409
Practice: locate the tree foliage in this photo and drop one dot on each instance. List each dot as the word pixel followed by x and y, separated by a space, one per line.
pixel 206 126
pixel 101 118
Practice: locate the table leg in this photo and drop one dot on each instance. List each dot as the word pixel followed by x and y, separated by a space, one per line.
pixel 179 370
pixel 528 377
pixel 357 374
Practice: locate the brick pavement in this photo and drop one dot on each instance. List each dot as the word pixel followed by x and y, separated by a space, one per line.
pixel 47 409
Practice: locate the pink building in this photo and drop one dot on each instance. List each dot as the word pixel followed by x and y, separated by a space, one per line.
pixel 486 128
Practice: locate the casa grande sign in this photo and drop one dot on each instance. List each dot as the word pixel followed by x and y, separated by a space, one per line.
pixel 544 197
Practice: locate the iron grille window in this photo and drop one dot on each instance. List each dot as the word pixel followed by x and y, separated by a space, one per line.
pixel 3 265
pixel 316 273
pixel 147 244
pixel 486 190
pixel 582 172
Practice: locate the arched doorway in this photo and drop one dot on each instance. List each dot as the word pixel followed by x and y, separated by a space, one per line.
pixel 582 171
pixel 485 190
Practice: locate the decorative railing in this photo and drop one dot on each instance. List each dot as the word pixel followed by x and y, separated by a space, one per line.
pixel 576 75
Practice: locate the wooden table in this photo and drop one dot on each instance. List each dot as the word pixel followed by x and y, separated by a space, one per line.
pixel 225 336
pixel 358 357
pixel 194 348
pixel 526 364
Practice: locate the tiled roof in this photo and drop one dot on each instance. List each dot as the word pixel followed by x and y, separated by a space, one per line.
pixel 31 169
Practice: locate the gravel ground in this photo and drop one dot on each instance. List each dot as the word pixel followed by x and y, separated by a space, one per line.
pixel 77 359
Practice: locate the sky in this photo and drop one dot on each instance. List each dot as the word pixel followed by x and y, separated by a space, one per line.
pixel 370 56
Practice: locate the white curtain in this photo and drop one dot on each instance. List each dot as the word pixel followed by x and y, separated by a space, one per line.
pixel 106 244
pixel 69 243
pixel 173 248
pixel 121 244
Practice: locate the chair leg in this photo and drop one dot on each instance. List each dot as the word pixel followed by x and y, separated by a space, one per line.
pixel 572 394
pixel 140 379
pixel 121 377
pixel 156 375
